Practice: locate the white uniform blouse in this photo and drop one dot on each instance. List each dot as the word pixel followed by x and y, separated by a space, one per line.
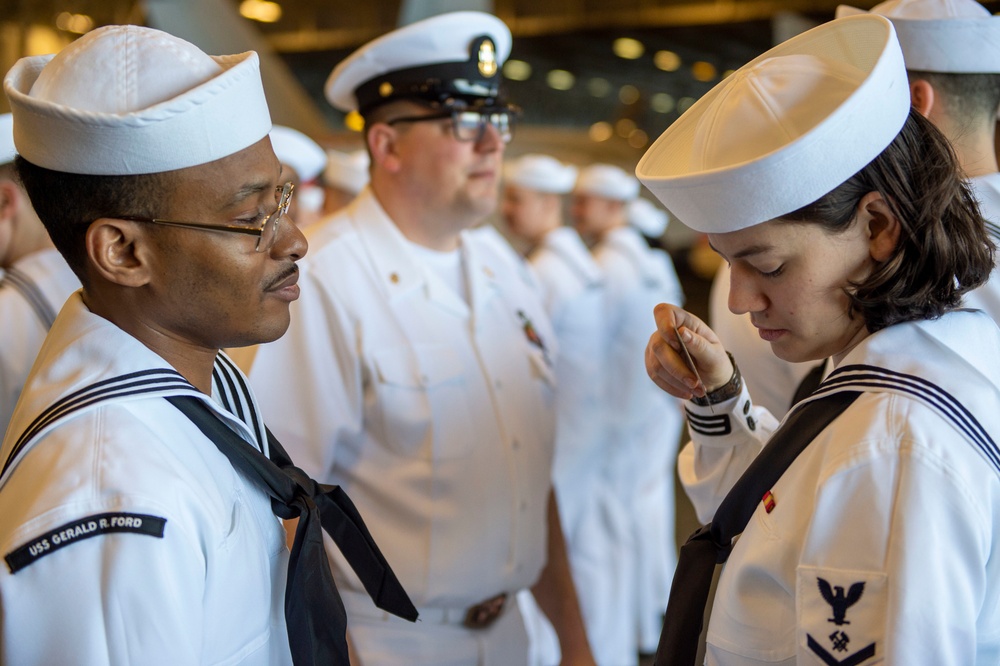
pixel 436 417
pixel 31 294
pixel 129 537
pixel 882 545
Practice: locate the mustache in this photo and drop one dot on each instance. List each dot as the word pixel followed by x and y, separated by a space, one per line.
pixel 281 277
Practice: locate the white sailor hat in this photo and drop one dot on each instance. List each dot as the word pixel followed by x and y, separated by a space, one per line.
pixel 347 171
pixel 446 57
pixel 785 129
pixel 950 36
pixel 127 100
pixel 647 217
pixel 298 151
pixel 540 173
pixel 608 181
pixel 7 150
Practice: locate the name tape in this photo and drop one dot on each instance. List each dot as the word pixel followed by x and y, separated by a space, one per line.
pixel 84 528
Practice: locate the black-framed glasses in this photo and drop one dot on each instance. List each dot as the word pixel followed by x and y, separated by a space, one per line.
pixel 265 233
pixel 469 124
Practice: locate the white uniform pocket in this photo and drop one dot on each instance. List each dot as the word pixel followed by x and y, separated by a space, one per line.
pixel 417 387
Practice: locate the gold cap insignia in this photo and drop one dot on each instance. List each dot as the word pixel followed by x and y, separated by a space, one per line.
pixel 385 89
pixel 487 58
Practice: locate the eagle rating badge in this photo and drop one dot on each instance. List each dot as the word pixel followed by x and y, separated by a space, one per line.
pixel 842 617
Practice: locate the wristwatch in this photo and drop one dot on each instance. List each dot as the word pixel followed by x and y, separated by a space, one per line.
pixel 730 389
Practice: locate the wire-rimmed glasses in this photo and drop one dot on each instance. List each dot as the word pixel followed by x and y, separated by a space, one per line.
pixel 265 233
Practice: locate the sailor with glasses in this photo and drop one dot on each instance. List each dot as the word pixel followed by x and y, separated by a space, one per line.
pixel 417 372
pixel 141 495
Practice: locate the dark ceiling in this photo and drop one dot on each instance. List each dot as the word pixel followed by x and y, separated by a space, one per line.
pixel 574 36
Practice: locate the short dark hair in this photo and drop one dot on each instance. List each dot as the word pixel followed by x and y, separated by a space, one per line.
pixel 944 249
pixel 968 98
pixel 67 203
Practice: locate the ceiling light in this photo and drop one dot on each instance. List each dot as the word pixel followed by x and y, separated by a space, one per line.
pixel 601 131
pixel 628 94
pixel 668 61
pixel 663 103
pixel 75 23
pixel 638 138
pixel 516 70
pixel 261 10
pixel 628 48
pixel 560 79
pixel 704 71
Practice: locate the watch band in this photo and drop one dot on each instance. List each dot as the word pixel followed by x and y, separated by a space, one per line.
pixel 730 389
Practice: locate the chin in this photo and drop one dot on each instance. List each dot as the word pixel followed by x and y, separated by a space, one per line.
pixel 793 355
pixel 265 331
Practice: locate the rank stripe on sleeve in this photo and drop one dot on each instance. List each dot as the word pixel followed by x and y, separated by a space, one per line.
pixel 715 426
pixel 84 528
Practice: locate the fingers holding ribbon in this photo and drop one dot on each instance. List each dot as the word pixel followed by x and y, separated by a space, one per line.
pixel 684 357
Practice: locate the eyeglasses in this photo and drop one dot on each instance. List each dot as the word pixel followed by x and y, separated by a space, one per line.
pixel 265 233
pixel 471 124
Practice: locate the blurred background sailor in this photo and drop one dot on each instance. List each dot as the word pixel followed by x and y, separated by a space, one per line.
pixel 345 175
pixel 645 424
pixel 34 279
pixel 302 161
pixel 572 286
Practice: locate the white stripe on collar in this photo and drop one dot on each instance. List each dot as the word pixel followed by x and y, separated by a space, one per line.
pixel 229 385
pixel 874 379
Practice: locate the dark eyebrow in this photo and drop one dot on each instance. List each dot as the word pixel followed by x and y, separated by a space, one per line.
pixel 245 192
pixel 745 252
pixel 248 190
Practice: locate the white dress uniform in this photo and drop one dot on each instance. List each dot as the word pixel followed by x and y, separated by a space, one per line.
pixel 770 380
pixel 645 423
pixel 435 414
pixel 129 538
pixel 32 292
pixel 573 291
pixel 987 297
pixel 889 551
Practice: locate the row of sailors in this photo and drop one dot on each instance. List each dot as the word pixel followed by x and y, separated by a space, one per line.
pixel 616 433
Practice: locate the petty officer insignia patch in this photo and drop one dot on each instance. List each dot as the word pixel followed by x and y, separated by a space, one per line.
pixel 84 528
pixel 842 616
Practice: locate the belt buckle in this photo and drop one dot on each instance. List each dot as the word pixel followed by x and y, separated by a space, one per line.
pixel 484 614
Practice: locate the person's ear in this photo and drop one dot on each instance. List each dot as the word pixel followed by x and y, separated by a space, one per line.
pixel 383 143
pixel 10 199
pixel 119 251
pixel 922 96
pixel 881 224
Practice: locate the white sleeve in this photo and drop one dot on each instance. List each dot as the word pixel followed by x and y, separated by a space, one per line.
pixel 309 382
pixel 115 598
pixel 725 438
